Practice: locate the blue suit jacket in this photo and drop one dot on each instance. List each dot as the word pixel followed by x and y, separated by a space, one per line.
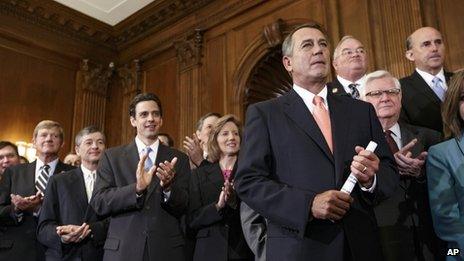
pixel 445 175
pixel 285 161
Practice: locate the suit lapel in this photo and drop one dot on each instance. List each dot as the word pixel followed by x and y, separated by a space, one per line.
pixel 77 185
pixel 30 178
pixel 407 135
pixel 214 175
pixel 335 87
pixel 132 157
pixel 296 110
pixel 421 86
pixel 161 156
pixel 339 111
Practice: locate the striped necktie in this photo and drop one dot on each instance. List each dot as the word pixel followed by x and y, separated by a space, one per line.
pixel 42 180
pixel 354 90
pixel 148 161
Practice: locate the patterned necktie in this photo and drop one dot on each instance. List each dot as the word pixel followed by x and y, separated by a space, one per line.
pixel 90 181
pixel 438 89
pixel 42 180
pixel 354 91
pixel 391 142
pixel 148 162
pixel 322 118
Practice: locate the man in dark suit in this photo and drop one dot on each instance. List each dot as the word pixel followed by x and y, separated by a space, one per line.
pixel 404 220
pixel 296 156
pixel 21 192
pixel 424 90
pixel 145 208
pixel 68 226
pixel 350 64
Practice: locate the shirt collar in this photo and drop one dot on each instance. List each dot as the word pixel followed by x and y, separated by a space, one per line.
pixel 308 96
pixel 87 172
pixel 428 78
pixel 141 147
pixel 360 82
pixel 395 129
pixel 52 165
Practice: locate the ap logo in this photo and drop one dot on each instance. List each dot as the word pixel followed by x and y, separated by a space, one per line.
pixel 453 252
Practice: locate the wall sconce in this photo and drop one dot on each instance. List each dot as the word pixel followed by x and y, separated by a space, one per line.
pixel 26 150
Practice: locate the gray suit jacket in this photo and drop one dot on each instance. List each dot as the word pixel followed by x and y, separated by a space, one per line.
pixel 254 228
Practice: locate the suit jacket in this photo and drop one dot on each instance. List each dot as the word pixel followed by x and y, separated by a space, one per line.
pixel 18 239
pixel 66 203
pixel 219 235
pixel 254 227
pixel 404 219
pixel 146 226
pixel 285 161
pixel 335 87
pixel 445 176
pixel 420 105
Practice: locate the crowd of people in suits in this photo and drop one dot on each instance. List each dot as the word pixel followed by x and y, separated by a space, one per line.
pixel 269 190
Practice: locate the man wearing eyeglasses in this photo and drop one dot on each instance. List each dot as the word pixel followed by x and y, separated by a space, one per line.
pixel 425 88
pixel 8 156
pixel 350 63
pixel 404 219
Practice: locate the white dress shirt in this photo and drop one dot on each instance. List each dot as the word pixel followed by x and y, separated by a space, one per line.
pixel 89 181
pixel 396 135
pixel 39 165
pixel 360 82
pixel 428 78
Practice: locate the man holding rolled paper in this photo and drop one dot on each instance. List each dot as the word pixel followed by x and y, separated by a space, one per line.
pixel 298 151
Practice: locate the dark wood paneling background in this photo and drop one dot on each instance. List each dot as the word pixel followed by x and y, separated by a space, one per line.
pixel 193 72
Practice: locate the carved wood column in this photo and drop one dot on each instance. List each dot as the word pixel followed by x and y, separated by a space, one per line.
pixel 131 82
pixel 189 54
pixel 91 94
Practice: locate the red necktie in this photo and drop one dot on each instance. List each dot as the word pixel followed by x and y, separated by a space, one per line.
pixel 391 142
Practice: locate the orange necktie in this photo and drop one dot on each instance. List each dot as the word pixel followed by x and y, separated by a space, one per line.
pixel 322 118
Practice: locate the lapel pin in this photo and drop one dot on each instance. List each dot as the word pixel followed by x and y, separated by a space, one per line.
pixel 334 90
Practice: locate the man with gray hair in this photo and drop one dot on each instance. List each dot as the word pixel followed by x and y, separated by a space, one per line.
pixel 404 219
pixel 21 191
pixel 68 226
pixel 350 63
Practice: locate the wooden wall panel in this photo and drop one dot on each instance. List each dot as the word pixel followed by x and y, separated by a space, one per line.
pixel 32 90
pixel 161 79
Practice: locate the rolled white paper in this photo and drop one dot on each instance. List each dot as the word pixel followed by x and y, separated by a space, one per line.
pixel 352 180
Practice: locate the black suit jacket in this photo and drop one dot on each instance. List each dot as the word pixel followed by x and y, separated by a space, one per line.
pixel 141 224
pixel 405 223
pixel 219 233
pixel 420 105
pixel 285 161
pixel 18 239
pixel 335 87
pixel 65 203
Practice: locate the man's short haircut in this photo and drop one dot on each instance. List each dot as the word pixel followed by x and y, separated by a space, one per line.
pixel 380 74
pixel 170 140
pixel 200 122
pixel 86 131
pixel 5 143
pixel 287 45
pixel 144 97
pixel 49 124
pixel 337 50
pixel 409 43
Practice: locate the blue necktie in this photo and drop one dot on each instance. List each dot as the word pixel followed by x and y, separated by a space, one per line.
pixel 148 162
pixel 437 88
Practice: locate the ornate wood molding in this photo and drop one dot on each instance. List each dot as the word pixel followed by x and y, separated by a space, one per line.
pixel 130 75
pixel 97 78
pixel 189 50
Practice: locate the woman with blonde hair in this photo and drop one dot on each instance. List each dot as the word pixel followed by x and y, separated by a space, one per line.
pixel 213 207
pixel 445 171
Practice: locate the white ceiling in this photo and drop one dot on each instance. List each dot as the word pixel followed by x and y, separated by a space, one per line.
pixel 107 11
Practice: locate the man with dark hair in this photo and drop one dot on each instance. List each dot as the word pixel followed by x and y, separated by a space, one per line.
pixel 296 157
pixel 166 139
pixel 425 88
pixel 196 146
pixel 145 209
pixel 68 226
pixel 21 190
pixel 9 155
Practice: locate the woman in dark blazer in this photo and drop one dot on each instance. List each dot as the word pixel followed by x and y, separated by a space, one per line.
pixel 445 172
pixel 213 207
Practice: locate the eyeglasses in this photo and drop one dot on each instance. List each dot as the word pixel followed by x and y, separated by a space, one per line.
pixel 378 94
pixel 349 52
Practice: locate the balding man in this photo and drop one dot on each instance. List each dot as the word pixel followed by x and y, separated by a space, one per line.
pixel 424 89
pixel 350 63
pixel 404 220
